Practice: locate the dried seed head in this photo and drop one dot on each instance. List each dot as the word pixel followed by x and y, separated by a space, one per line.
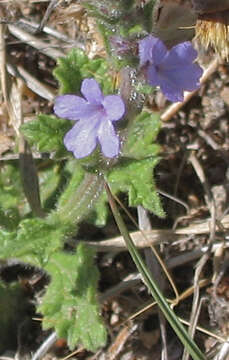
pixel 215 34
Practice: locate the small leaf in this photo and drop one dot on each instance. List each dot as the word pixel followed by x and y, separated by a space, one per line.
pixel 141 137
pixel 70 303
pixel 136 177
pixel 134 173
pixel 68 71
pixel 11 192
pixel 99 69
pixel 76 66
pixel 35 241
pixel 46 132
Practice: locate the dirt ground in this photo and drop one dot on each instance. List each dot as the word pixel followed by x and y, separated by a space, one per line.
pixel 192 178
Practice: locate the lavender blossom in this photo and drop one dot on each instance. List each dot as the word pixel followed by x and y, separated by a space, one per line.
pixel 173 70
pixel 95 114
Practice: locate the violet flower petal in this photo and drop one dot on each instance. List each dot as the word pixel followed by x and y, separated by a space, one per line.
pixel 152 76
pixel 73 107
pixel 187 78
pixel 108 139
pixel 151 50
pixel 173 70
pixel 169 88
pixel 91 91
pixel 184 51
pixel 172 91
pixel 114 107
pixel 81 139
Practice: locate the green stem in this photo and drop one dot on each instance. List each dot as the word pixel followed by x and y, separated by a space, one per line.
pixel 78 203
pixel 182 334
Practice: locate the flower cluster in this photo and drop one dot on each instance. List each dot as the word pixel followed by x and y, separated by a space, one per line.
pixel 95 114
pixel 173 70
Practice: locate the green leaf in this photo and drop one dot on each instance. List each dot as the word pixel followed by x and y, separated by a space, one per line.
pixel 76 66
pixel 11 192
pixel 9 218
pixel 35 241
pixel 51 181
pixel 99 69
pixel 134 173
pixel 99 216
pixel 70 304
pixel 68 71
pixel 136 177
pixel 46 132
pixel 141 136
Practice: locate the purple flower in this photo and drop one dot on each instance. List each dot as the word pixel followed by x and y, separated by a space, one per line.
pixel 95 114
pixel 173 70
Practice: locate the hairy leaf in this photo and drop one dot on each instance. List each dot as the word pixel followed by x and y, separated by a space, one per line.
pixel 134 173
pixel 141 137
pixel 76 66
pixel 35 241
pixel 70 303
pixel 136 177
pixel 46 132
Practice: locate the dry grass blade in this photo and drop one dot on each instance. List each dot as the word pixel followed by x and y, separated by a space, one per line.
pixel 31 82
pixel 33 41
pixel 115 349
pixel 156 236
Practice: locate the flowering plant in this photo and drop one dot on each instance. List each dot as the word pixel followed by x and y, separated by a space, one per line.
pixel 73 188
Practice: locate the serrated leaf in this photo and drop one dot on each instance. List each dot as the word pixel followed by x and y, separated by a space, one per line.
pixel 99 69
pixel 134 174
pixel 136 177
pixel 68 71
pixel 76 66
pixel 70 303
pixel 35 241
pixel 46 132
pixel 141 136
